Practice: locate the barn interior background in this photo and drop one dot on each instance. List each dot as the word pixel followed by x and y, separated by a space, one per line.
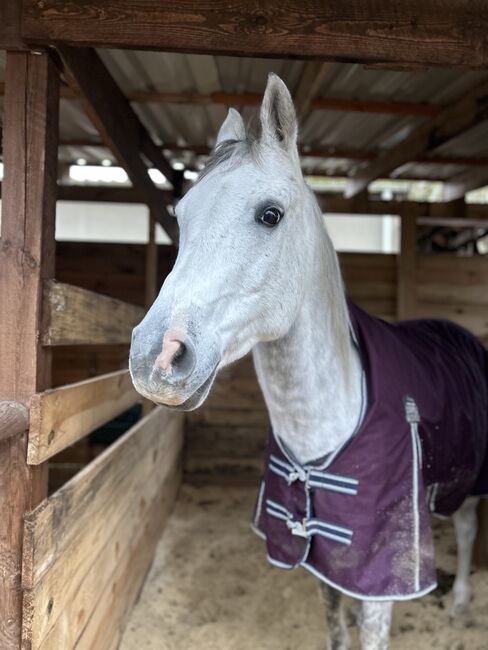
pixel 394 139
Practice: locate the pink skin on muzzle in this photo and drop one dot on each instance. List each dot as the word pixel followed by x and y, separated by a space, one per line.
pixel 172 343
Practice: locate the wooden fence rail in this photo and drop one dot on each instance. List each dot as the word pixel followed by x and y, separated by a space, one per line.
pixel 74 316
pixel 61 416
pixel 14 419
pixel 88 546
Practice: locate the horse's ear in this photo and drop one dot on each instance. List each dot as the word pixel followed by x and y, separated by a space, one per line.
pixel 278 117
pixel 232 127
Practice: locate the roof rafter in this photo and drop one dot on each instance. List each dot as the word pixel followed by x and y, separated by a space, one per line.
pixel 419 109
pixel 119 127
pixel 466 112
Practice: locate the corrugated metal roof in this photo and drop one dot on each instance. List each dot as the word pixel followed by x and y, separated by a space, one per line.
pixel 198 124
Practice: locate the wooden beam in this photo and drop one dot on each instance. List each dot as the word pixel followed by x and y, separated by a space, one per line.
pixel 364 31
pixel 335 204
pixel 14 419
pixel 74 316
pixel 26 258
pixel 62 416
pixel 119 127
pixel 105 193
pixel 406 264
pixel 10 19
pixel 457 118
pixel 89 545
pixel 312 75
pixel 418 109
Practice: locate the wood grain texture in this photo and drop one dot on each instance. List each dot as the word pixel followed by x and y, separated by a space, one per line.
pixel 10 14
pixel 429 32
pixel 74 316
pixel 62 416
pixel 30 134
pixel 14 419
pixel 89 545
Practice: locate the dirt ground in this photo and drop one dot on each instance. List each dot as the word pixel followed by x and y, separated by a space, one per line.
pixel 211 588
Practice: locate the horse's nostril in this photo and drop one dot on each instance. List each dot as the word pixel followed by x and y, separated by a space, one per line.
pixel 179 354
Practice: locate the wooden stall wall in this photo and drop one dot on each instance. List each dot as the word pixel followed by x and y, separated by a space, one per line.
pixel 225 438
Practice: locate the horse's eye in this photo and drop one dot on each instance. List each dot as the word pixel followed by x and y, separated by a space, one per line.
pixel 270 216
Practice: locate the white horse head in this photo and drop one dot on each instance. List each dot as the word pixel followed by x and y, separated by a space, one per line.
pixel 250 233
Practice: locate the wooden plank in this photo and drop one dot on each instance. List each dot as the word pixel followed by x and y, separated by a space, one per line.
pixel 74 316
pixel 120 128
pixel 88 546
pixel 144 96
pixel 106 194
pixel 406 285
pixel 30 122
pixel 10 13
pixel 463 114
pixel 443 33
pixel 14 419
pixel 62 416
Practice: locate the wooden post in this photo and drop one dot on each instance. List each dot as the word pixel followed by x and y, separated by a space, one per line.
pixel 151 282
pixel 406 263
pixel 30 137
pixel 151 263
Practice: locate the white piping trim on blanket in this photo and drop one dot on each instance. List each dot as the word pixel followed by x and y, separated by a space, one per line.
pixel 347 592
pixel 413 417
pixel 259 504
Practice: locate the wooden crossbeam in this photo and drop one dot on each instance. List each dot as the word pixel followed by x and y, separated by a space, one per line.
pixel 74 316
pixel 442 32
pixel 62 416
pixel 466 112
pixel 419 109
pixel 88 546
pixel 119 127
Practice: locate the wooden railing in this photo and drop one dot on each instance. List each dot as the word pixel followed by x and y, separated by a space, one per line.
pixel 88 546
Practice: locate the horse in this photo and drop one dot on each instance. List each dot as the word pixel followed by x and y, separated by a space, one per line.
pixel 373 425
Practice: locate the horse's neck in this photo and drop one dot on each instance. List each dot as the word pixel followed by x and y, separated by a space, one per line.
pixel 313 402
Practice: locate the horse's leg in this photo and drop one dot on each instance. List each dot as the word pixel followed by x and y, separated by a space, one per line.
pixel 338 634
pixel 374 624
pixel 465 524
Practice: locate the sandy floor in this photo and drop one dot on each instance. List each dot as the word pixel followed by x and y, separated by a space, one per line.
pixel 211 588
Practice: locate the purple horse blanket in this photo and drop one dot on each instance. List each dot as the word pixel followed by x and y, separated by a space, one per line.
pixel 359 519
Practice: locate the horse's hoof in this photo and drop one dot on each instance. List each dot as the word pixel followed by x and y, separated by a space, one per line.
pixel 461 613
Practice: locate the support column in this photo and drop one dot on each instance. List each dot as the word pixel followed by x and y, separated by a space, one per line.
pixel 27 248
pixel 407 263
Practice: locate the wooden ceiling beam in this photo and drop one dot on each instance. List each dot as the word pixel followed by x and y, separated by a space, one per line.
pixel 418 109
pixel 430 32
pixel 119 127
pixel 325 153
pixel 455 119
